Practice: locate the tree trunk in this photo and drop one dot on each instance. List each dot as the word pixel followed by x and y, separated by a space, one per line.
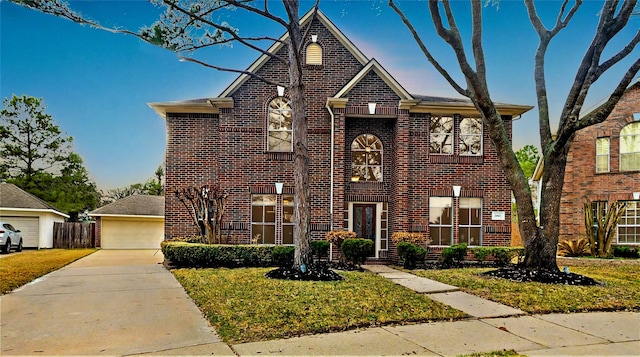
pixel 302 206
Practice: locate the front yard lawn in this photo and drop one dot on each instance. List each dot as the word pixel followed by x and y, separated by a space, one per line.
pixel 244 306
pixel 620 289
pixel 21 268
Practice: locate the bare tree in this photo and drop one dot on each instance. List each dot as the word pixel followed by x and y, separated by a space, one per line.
pixel 540 241
pixel 190 25
pixel 206 206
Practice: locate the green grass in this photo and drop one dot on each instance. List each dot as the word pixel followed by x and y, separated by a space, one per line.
pixel 244 306
pixel 21 268
pixel 620 289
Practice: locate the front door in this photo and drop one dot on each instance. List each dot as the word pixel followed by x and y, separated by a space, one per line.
pixel 364 222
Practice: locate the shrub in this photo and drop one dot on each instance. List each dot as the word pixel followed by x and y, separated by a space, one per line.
pixel 282 256
pixel 626 252
pixel 356 250
pixel 504 255
pixel 409 237
pixel 320 249
pixel 411 254
pixel 481 253
pixel 574 248
pixel 337 237
pixel 453 254
pixel 213 256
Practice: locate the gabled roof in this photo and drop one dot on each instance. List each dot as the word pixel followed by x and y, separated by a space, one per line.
pixel 13 197
pixel 306 19
pixel 373 65
pixel 135 205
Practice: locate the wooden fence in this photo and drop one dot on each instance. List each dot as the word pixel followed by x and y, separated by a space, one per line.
pixel 74 235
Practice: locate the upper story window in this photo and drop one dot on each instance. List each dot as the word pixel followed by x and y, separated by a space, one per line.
pixel 471 136
pixel 280 130
pixel 366 158
pixel 314 54
pixel 602 155
pixel 630 147
pixel 441 135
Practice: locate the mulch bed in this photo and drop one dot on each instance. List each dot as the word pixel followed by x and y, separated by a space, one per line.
pixel 317 272
pixel 521 274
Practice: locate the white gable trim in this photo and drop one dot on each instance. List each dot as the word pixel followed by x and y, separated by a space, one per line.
pixel 279 44
pixel 373 65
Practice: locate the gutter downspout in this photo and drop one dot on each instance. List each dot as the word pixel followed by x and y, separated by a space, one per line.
pixel 331 173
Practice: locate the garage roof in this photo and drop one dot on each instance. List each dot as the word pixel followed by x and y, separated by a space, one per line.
pixel 13 197
pixel 136 205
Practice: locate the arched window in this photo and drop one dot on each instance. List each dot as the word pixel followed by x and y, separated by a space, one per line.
pixel 314 53
pixel 280 130
pixel 366 158
pixel 630 147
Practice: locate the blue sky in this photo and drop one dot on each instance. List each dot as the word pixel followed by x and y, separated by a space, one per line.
pixel 96 84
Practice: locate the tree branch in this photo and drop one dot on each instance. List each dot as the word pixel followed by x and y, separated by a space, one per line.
pixel 426 51
pixel 224 69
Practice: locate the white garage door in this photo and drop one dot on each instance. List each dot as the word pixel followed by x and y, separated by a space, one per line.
pixel 29 228
pixel 131 234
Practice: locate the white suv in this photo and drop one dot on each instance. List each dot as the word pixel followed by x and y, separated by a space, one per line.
pixel 10 238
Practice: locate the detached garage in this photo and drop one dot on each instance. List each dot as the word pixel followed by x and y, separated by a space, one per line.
pixel 31 215
pixel 134 222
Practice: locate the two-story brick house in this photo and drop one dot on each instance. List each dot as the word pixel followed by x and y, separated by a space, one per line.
pixel 603 165
pixel 382 160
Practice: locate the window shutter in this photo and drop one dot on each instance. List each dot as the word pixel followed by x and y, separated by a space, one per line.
pixel 314 54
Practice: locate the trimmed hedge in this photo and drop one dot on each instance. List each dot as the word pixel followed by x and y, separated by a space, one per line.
pixel 356 250
pixel 195 255
pixel 411 254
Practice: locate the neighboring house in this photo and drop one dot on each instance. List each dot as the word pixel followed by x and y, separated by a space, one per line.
pixel 603 165
pixel 134 222
pixel 31 215
pixel 382 160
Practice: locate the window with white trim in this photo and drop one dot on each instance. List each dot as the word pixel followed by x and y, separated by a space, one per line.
pixel 366 158
pixel 441 135
pixel 280 126
pixel 287 219
pixel 602 154
pixel 630 147
pixel 470 221
pixel 471 137
pixel 629 225
pixel 263 219
pixel 440 220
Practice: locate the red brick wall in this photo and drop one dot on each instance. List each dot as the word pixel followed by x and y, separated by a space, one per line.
pixel 230 147
pixel 582 183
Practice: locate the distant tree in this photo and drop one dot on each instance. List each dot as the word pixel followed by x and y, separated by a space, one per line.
pixel 37 158
pixel 540 241
pixel 528 159
pixel 187 26
pixel 30 141
pixel 153 187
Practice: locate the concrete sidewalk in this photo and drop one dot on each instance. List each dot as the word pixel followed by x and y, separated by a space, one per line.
pixel 108 303
pixel 126 303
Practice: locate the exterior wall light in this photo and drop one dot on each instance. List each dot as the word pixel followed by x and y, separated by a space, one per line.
pixel 280 91
pixel 355 178
pixel 314 38
pixel 372 108
pixel 456 191
pixel 279 187
pixel 636 195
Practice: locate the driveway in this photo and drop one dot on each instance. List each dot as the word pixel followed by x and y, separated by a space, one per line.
pixel 112 302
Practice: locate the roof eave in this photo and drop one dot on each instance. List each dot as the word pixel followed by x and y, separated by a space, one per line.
pixel 417 106
pixel 125 215
pixel 212 106
pixel 47 210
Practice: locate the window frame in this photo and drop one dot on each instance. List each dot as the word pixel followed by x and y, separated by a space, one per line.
pixel 367 150
pixel 440 225
pixel 624 223
pixel 450 135
pixel 263 223
pixel 278 110
pixel 479 136
pixel 470 225
pixel 635 155
pixel 600 155
pixel 313 45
